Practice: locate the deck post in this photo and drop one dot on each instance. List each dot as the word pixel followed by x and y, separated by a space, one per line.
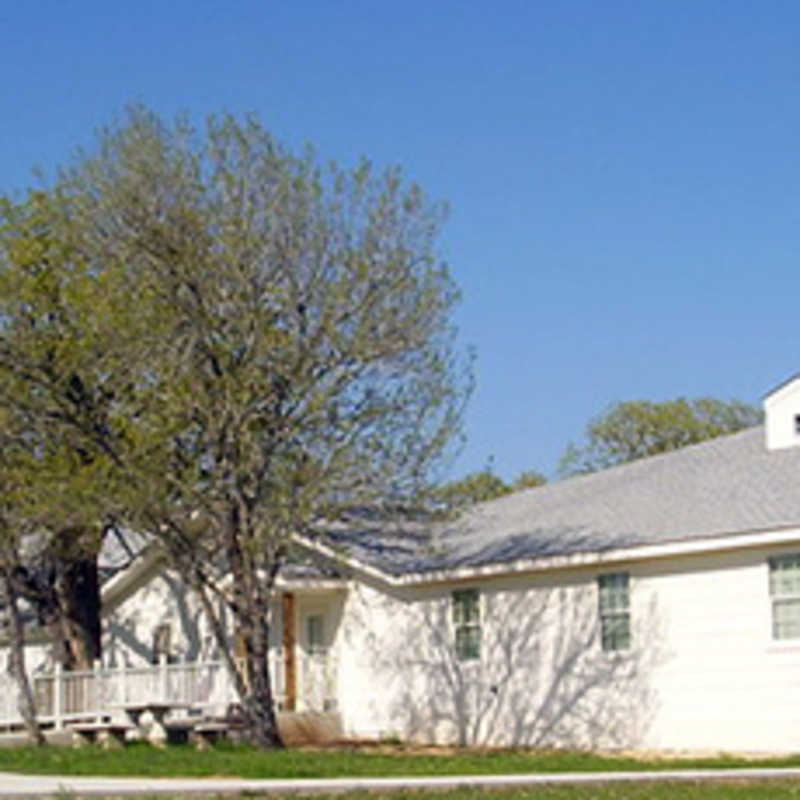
pixel 96 697
pixel 58 696
pixel 164 677
pixel 289 663
pixel 121 683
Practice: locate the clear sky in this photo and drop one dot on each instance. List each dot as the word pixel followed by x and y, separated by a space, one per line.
pixel 624 177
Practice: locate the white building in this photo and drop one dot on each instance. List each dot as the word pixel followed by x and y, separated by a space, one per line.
pixel 652 605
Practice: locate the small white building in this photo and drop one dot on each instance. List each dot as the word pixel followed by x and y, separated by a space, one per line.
pixel 652 605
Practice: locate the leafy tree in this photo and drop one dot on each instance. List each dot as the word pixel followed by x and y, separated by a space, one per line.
pixel 529 479
pixel 485 485
pixel 473 488
pixel 636 429
pixel 62 371
pixel 298 353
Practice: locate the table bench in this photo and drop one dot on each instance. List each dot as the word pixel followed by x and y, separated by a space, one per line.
pixel 107 734
pixel 179 731
pixel 157 734
pixel 200 732
pixel 207 733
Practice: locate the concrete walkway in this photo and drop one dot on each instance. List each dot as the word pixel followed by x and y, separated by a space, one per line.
pixel 13 785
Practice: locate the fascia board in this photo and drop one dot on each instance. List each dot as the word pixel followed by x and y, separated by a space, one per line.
pixel 697 546
pixel 119 586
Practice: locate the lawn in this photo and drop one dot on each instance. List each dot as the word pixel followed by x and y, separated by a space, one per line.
pixel 753 791
pixel 246 762
pixel 772 790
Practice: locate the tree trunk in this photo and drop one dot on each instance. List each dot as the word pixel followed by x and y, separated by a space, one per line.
pixel 16 636
pixel 258 705
pixel 251 679
pixel 250 606
pixel 78 591
pixel 66 590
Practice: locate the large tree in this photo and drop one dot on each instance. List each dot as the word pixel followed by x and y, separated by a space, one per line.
pixel 70 342
pixel 635 429
pixel 301 359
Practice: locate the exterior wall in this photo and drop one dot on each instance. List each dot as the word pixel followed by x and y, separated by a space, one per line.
pixel 38 657
pixel 781 407
pixel 162 599
pixel 702 671
pixel 542 679
pixel 722 682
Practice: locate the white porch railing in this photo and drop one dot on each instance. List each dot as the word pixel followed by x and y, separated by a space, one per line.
pixel 205 686
pixel 318 687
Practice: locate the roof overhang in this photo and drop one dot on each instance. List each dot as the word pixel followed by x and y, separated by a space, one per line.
pixel 122 584
pixel 601 558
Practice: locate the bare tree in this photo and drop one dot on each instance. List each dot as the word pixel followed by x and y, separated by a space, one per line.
pixel 296 359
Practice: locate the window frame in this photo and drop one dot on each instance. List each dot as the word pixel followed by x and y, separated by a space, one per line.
pixel 790 598
pixel 467 627
pixel 162 643
pixel 315 634
pixel 614 617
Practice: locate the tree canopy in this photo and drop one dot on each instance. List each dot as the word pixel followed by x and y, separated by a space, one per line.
pixel 68 336
pixel 636 429
pixel 476 487
pixel 235 344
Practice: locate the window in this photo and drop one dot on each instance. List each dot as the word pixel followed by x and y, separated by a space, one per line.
pixel 797 423
pixel 784 590
pixel 161 643
pixel 467 624
pixel 615 611
pixel 315 634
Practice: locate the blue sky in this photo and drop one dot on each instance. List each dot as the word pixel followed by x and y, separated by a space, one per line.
pixel 623 177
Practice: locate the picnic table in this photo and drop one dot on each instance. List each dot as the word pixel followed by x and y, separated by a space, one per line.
pixel 200 731
pixel 158 709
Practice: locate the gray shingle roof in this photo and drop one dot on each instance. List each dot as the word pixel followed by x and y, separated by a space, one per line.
pixel 728 485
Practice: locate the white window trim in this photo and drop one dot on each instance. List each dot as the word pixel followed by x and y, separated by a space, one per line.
pixel 786 642
pixel 466 662
pixel 615 651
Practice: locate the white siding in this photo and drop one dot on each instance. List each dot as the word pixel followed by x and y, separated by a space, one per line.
pixel 542 678
pixel 781 408
pixel 723 684
pixel 702 672
pixel 161 600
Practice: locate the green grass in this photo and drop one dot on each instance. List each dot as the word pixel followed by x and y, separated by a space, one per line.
pixel 759 791
pixel 752 791
pixel 772 790
pixel 246 762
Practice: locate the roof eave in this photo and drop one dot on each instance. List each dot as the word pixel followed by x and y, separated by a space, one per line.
pixel 601 558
